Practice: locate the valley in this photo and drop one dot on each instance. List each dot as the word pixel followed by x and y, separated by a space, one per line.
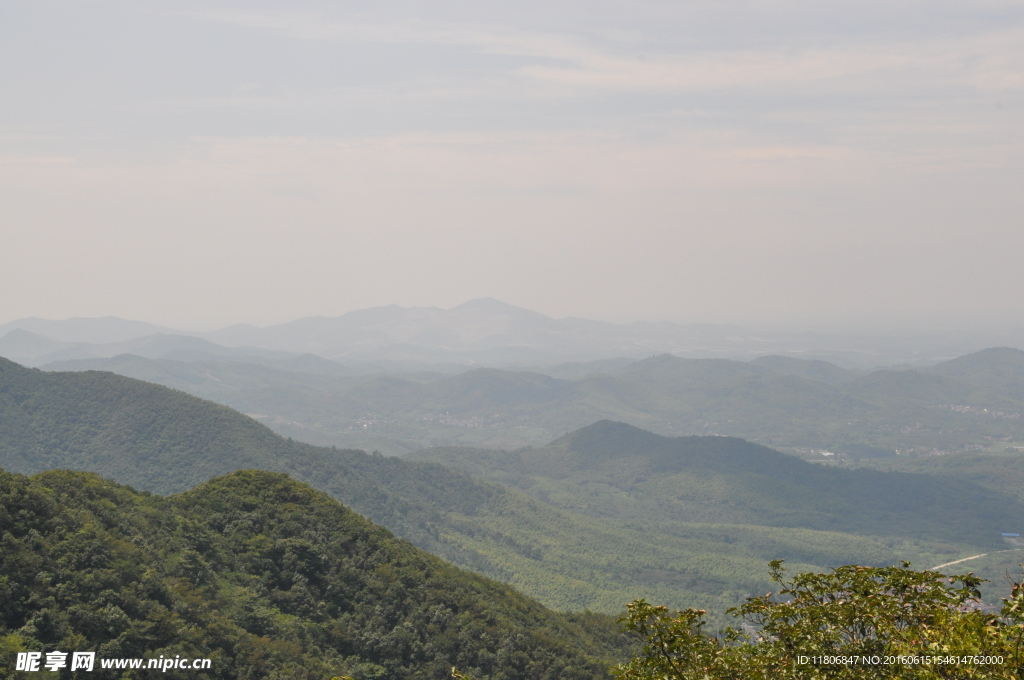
pixel 604 515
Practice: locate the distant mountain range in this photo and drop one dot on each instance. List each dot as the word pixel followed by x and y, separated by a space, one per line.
pixel 99 330
pixel 483 332
pixel 33 349
pixel 811 408
pixel 479 332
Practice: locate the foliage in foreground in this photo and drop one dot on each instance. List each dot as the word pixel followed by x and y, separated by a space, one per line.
pixel 854 622
pixel 269 579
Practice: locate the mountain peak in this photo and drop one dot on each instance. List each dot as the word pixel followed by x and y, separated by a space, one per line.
pixel 489 305
pixel 609 439
pixel 999 360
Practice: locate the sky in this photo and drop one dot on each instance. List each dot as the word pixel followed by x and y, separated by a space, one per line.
pixel 197 164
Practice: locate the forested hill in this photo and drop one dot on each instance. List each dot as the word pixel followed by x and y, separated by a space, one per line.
pixel 165 441
pixel 269 579
pixel 973 403
pixel 138 433
pixel 614 469
pixel 593 546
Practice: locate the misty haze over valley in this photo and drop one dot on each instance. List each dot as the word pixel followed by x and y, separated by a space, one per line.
pixel 484 333
pixel 490 374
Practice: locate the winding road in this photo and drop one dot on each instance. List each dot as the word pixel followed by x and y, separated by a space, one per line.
pixel 974 557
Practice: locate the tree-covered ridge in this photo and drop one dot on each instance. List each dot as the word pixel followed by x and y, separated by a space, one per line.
pixel 782 402
pixel 597 546
pixel 166 441
pixel 618 471
pixel 267 577
pixel 127 429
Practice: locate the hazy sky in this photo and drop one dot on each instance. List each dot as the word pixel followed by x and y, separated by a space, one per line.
pixel 203 163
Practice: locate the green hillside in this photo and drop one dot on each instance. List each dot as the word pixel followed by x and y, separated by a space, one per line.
pixel 615 470
pixel 599 551
pixel 1002 473
pixel 971 403
pixel 166 441
pixel 268 579
pixel 994 377
pixel 821 371
pixel 573 561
